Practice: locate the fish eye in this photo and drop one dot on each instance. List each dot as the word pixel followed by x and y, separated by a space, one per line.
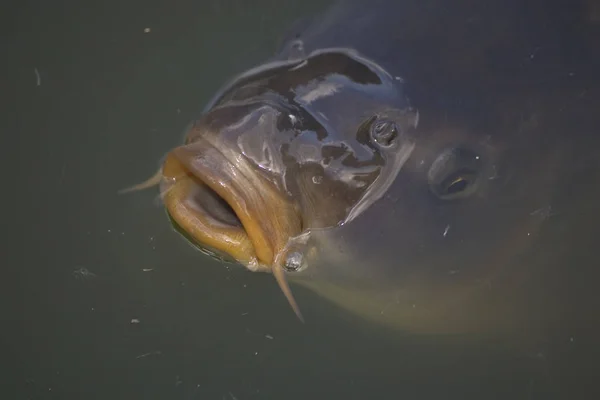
pixel 455 173
pixel 384 132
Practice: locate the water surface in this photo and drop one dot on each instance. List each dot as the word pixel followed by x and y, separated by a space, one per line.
pixel 103 300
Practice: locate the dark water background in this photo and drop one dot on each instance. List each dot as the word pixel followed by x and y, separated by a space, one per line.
pixel 102 300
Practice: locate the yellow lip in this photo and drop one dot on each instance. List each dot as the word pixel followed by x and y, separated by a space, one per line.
pixel 267 218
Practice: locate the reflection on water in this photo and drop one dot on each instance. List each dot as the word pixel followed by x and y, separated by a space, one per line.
pixel 103 299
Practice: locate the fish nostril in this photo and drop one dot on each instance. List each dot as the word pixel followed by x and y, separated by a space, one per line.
pixel 287 121
pixel 384 132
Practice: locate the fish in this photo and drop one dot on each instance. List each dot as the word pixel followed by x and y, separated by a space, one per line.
pixel 432 166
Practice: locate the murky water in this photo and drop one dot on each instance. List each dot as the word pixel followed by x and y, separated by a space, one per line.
pixel 103 299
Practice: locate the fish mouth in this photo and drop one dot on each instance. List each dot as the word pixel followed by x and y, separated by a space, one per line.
pixel 221 200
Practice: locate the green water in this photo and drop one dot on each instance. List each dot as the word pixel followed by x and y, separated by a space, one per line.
pixel 103 300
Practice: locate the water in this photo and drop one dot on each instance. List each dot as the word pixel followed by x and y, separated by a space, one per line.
pixel 103 300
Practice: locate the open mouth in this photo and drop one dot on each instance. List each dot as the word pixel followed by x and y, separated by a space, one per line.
pixel 218 199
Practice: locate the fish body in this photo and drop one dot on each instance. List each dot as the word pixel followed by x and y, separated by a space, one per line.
pixel 429 165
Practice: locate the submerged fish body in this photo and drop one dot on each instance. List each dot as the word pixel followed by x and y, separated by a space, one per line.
pixel 429 165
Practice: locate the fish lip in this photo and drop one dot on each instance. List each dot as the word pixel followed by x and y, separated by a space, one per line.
pixel 269 218
pixel 200 165
pixel 200 216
